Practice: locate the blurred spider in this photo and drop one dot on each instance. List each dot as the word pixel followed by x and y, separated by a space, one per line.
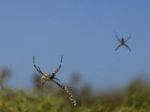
pixel 122 42
pixel 45 76
pixel 51 77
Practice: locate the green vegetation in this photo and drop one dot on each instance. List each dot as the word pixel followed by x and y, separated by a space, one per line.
pixel 133 98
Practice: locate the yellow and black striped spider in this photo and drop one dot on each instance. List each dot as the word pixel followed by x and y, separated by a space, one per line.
pixel 122 42
pixel 51 77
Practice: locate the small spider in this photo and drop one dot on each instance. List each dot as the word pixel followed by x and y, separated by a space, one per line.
pixel 122 42
pixel 51 77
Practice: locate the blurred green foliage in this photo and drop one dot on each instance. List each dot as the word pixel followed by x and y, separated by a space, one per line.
pixel 133 98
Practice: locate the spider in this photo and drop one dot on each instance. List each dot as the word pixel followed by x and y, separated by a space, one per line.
pixel 45 76
pixel 51 77
pixel 122 42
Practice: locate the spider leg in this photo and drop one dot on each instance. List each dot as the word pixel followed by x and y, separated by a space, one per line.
pixel 43 82
pixel 56 79
pixel 117 37
pixel 37 68
pixel 127 47
pixel 57 70
pixel 118 47
pixel 58 84
pixel 128 37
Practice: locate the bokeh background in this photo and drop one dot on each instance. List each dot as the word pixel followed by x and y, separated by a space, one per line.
pixel 82 31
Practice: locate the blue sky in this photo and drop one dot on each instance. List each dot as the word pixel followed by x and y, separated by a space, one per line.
pixel 81 31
